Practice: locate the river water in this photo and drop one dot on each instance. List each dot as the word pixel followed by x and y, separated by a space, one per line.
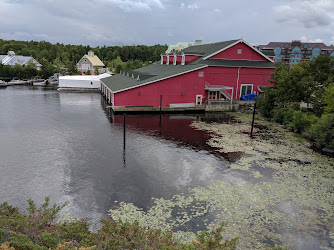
pixel 68 146
pixel 64 145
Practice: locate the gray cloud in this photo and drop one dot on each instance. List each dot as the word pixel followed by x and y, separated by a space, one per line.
pixel 310 14
pixel 126 22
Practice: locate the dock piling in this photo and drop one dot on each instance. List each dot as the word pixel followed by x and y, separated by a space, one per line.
pixel 124 122
pixel 251 134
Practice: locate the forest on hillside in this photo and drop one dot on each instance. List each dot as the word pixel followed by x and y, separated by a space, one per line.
pixel 59 57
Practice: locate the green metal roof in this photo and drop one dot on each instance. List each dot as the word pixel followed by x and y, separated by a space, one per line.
pixel 157 72
pixel 208 49
pixel 152 73
pixel 239 63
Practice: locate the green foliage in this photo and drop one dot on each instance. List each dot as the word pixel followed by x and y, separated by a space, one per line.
pixel 293 84
pixel 302 121
pixel 60 58
pixel 266 102
pixel 283 115
pixel 328 99
pixel 323 131
pixel 96 71
pixel 39 230
pixel 215 240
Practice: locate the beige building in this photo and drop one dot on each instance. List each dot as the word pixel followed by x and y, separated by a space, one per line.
pixel 90 62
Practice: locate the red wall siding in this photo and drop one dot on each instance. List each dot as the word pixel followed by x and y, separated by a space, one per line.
pixel 171 90
pixel 229 77
pixel 164 59
pixel 247 53
pixel 190 58
pixel 178 59
pixel 171 59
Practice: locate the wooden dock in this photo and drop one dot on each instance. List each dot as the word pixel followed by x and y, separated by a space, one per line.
pixel 146 109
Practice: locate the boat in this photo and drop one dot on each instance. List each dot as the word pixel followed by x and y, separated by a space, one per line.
pixel 3 84
pixel 16 82
pixel 39 82
pixel 53 80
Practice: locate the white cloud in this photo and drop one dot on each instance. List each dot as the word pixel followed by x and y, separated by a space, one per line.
pixel 310 40
pixel 193 6
pixel 135 5
pixel 217 10
pixel 311 13
pixel 182 5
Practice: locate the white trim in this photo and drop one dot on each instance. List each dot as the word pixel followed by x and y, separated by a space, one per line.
pixel 200 96
pixel 167 62
pixel 238 82
pixel 158 80
pixel 246 88
pixel 174 60
pixel 231 45
pixel 183 60
pixel 162 59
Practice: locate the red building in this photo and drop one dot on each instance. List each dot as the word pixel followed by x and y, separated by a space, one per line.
pixel 217 71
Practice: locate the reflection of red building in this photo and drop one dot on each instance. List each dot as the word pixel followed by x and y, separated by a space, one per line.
pixel 216 71
pixel 176 128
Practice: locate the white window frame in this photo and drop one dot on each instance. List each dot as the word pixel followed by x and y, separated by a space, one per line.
pixel 247 84
pixel 197 98
pixel 200 74
pixel 239 51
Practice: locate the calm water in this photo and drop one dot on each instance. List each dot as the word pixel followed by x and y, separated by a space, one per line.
pixel 66 146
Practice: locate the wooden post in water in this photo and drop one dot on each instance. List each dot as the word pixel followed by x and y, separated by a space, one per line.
pixel 160 103
pixel 124 132
pixel 251 135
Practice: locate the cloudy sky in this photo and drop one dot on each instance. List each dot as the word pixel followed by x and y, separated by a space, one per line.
pixel 149 22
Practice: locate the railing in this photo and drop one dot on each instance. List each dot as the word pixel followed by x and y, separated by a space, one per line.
pixel 226 94
pixel 208 85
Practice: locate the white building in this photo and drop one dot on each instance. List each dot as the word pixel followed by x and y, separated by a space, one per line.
pixel 90 62
pixel 12 59
pixel 78 82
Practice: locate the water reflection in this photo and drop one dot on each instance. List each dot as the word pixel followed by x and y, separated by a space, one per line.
pixel 63 145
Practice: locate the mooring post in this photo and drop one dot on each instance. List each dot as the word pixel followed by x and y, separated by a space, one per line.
pixel 251 135
pixel 124 131
pixel 160 103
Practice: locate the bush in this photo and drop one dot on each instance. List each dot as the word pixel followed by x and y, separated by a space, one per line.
pixel 323 131
pixel 266 102
pixel 39 230
pixel 302 121
pixel 283 115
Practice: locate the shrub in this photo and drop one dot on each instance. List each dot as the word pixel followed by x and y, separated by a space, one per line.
pixel 39 230
pixel 323 131
pixel 283 115
pixel 302 121
pixel 266 102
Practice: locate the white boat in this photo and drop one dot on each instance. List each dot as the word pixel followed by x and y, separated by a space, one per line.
pixel 3 84
pixel 53 80
pixel 39 82
pixel 17 82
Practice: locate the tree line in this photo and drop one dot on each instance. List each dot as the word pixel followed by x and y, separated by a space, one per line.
pixel 60 58
pixel 302 99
